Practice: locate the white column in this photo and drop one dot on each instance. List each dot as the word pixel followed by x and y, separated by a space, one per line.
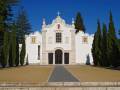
pixel 53 58
pixel 63 58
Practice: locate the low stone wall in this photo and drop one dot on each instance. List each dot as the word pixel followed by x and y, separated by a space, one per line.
pixel 61 86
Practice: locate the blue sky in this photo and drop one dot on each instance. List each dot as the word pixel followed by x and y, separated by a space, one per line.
pixel 91 10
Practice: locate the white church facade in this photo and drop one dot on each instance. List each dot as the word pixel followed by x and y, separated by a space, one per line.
pixel 57 43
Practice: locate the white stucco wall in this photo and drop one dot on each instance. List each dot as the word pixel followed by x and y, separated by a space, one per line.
pixel 32 49
pixel 83 49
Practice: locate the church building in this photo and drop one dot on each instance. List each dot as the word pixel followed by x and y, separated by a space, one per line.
pixel 57 43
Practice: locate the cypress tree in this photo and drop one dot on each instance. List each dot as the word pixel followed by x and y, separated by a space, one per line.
pixel 27 62
pixel 119 50
pixel 23 25
pixel 112 43
pixel 5 19
pixel 13 44
pixel 93 51
pixel 10 52
pixel 105 61
pixel 5 16
pixel 23 53
pixel 79 25
pixel 5 49
pixel 1 42
pixel 116 55
pixel 119 43
pixel 2 60
pixel 98 45
pixel 17 53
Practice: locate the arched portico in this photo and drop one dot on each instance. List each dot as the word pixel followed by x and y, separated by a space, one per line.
pixel 58 56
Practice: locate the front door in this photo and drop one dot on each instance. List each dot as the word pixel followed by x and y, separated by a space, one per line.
pixel 58 56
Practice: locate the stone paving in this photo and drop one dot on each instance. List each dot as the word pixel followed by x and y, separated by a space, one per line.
pixel 61 74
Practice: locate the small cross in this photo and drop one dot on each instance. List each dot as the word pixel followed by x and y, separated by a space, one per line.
pixel 58 13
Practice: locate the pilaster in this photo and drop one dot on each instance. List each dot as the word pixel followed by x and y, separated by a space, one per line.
pixel 72 53
pixel 44 53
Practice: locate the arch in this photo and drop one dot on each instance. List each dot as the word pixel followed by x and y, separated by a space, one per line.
pixel 58 56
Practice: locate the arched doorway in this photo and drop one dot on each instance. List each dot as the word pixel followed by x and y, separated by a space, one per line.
pixel 58 56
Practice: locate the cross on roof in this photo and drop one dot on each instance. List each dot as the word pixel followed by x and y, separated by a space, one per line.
pixel 58 13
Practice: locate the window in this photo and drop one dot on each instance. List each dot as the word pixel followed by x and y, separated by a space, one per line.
pixel 85 40
pixel 33 40
pixel 58 37
pixel 58 26
pixel 38 52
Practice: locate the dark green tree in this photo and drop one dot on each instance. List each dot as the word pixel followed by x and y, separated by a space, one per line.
pixel 5 17
pixel 96 47
pixel 23 53
pixel 119 39
pixel 10 51
pixel 112 43
pixel 2 60
pixel 99 44
pixel 105 61
pixel 95 61
pixel 23 25
pixel 17 53
pixel 5 13
pixel 13 44
pixel 1 41
pixel 5 49
pixel 79 25
pixel 27 62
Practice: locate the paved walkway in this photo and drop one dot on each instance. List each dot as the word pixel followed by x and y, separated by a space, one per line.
pixel 61 74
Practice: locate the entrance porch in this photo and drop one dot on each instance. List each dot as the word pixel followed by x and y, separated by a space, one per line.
pixel 58 57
